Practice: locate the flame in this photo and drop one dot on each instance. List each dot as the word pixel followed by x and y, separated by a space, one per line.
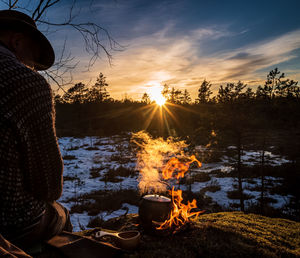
pixel 181 213
pixel 174 165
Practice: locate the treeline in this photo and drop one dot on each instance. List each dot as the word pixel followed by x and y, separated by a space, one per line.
pixel 86 110
pixel 276 86
pixel 81 94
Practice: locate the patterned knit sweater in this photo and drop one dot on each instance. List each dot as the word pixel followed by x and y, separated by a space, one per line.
pixel 30 161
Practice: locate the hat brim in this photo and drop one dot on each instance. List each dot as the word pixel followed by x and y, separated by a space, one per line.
pixel 47 56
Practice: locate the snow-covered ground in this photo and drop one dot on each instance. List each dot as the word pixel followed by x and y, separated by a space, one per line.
pixel 83 154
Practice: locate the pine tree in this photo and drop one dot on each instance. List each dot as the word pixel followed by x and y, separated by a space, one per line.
pixel 76 94
pixel 277 86
pixel 186 97
pixel 166 92
pixel 204 92
pixel 98 92
pixel 146 99
pixel 273 82
pixel 231 92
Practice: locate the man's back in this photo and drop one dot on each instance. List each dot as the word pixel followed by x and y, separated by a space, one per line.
pixel 30 161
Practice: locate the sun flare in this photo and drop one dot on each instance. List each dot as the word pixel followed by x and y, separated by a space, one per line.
pixel 156 95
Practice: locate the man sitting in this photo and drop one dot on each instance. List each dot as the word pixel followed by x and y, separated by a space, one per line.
pixel 31 166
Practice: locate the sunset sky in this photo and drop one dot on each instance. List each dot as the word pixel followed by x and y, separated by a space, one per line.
pixel 183 42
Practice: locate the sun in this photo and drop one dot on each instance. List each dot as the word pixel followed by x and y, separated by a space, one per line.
pixel 155 95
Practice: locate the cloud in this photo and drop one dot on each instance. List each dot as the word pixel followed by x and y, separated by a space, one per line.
pixel 241 55
pixel 261 55
pixel 180 60
pixel 158 57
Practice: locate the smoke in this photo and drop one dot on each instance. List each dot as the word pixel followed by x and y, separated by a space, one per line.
pixel 152 155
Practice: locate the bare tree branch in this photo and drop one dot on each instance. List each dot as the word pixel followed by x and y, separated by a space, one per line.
pixel 37 9
pixel 11 5
pixel 40 9
pixel 61 71
pixel 92 34
pixel 53 78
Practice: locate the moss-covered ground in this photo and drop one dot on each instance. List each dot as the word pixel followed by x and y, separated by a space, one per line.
pixel 224 234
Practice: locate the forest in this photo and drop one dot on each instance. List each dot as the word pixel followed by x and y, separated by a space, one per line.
pixel 266 120
pixel 234 109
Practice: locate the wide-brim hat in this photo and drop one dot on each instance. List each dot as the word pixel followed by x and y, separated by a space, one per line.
pixel 21 22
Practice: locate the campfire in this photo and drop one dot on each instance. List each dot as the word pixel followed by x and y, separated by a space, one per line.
pixel 162 164
pixel 180 213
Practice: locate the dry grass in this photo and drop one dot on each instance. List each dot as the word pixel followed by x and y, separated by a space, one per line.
pixel 104 201
pixel 201 177
pixel 235 195
pixel 95 172
pixel 113 175
pixel 91 148
pixel 95 222
pixel 69 157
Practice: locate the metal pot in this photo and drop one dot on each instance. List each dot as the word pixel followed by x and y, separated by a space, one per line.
pixel 154 208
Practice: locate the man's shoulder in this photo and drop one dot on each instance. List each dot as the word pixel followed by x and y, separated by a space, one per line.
pixel 22 89
pixel 13 65
pixel 15 74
